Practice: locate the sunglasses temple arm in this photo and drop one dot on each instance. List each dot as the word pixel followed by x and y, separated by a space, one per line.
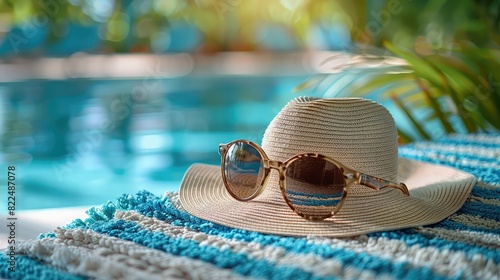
pixel 378 184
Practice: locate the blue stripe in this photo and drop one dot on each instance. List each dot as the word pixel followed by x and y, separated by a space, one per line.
pixel 299 245
pixel 311 199
pixel 486 193
pixel 452 156
pixel 467 150
pixel 239 263
pixel 314 195
pixel 451 225
pixel 28 268
pixel 488 211
pixel 305 200
pixel 451 141
pixel 299 203
pixel 487 175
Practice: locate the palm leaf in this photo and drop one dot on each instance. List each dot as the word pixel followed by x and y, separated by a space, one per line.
pixel 438 112
pixel 410 116
pixel 381 80
pixel 421 67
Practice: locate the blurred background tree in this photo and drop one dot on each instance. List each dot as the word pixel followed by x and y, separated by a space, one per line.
pixel 449 57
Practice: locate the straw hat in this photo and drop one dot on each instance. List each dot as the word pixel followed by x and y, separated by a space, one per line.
pixel 354 131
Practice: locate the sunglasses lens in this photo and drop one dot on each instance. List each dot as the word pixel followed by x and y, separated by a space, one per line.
pixel 243 169
pixel 314 186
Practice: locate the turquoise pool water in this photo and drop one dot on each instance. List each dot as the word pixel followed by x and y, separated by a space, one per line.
pixel 83 141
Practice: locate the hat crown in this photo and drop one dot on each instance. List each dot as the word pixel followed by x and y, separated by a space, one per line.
pixel 355 131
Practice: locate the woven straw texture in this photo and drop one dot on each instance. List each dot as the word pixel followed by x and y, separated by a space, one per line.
pixel 356 132
pixel 143 236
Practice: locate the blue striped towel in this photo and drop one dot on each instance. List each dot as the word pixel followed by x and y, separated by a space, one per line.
pixel 144 236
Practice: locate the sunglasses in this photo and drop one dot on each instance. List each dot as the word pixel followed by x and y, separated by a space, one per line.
pixel 313 185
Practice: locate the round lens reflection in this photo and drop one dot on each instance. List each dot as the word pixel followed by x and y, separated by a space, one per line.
pixel 244 170
pixel 314 186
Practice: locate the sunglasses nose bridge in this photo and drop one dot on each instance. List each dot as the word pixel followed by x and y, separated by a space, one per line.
pixel 278 166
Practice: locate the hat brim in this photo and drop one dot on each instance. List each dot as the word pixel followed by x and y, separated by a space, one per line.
pixel 436 192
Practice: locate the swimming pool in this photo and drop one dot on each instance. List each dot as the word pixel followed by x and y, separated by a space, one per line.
pixel 84 141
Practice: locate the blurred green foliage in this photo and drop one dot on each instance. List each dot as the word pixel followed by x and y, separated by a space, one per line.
pixel 225 25
pixel 450 48
pixel 451 60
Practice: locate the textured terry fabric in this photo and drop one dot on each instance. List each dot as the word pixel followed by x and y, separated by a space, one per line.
pixel 143 236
